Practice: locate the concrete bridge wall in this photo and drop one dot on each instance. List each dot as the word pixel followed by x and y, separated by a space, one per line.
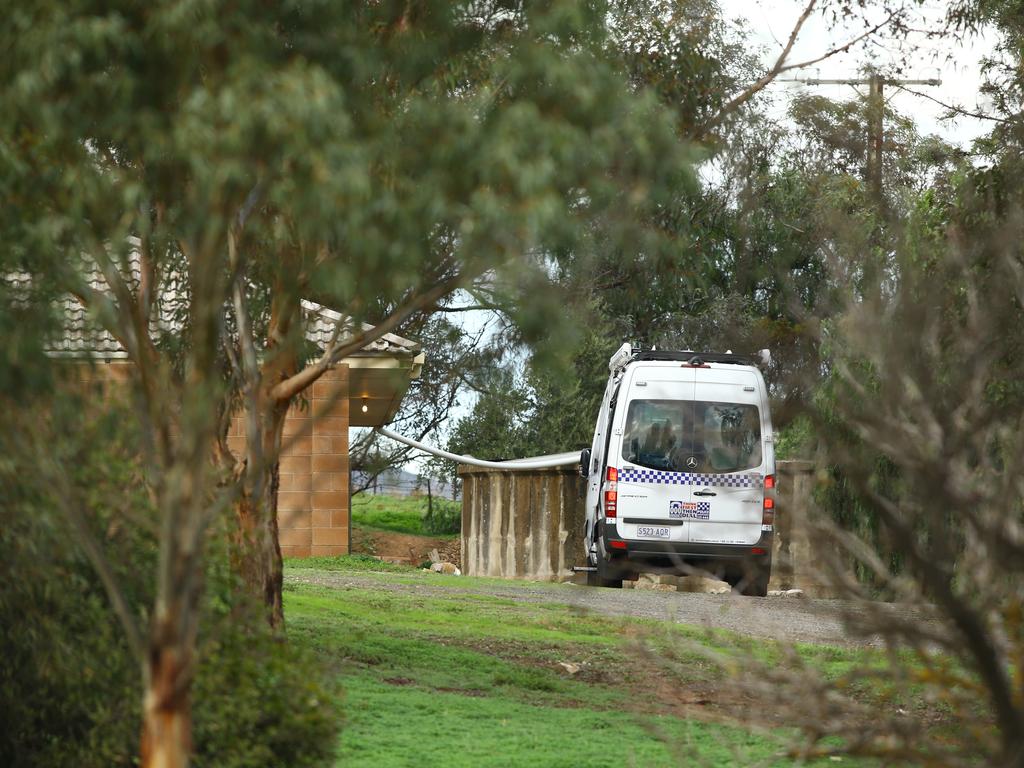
pixel 523 524
pixel 528 524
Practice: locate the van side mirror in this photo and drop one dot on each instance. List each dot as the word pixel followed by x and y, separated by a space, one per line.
pixel 585 463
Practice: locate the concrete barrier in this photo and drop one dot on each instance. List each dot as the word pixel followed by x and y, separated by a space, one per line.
pixel 528 524
pixel 522 524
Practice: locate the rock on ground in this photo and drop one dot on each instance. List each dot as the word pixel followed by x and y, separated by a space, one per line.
pixel 668 583
pixel 449 568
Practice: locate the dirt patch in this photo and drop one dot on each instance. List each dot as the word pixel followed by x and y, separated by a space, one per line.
pixel 652 687
pixel 402 548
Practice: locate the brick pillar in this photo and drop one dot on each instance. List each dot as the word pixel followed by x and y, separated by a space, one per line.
pixel 329 462
pixel 293 499
pixel 294 521
pixel 312 502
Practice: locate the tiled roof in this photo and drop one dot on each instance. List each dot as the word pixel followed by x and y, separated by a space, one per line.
pixel 320 323
pixel 82 335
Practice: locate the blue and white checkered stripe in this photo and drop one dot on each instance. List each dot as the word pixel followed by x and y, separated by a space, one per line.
pixel 748 480
pixel 703 506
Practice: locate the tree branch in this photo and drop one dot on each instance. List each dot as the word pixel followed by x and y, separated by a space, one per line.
pixel 415 303
pixel 842 48
pixel 98 559
pixel 468 308
pixel 780 66
pixel 772 73
pixel 952 107
pixel 973 628
pixel 250 367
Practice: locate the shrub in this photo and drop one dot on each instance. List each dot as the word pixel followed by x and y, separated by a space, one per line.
pixel 444 519
pixel 70 690
pixel 259 701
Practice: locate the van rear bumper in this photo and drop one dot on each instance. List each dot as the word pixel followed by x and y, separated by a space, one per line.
pixel 666 553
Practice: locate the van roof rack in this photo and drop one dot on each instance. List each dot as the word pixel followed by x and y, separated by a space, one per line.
pixel 627 354
pixel 689 356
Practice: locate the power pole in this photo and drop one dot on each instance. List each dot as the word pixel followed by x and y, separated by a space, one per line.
pixel 876 118
pixel 876 135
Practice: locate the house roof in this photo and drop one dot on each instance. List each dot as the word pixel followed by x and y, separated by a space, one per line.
pixel 82 336
pixel 379 373
pixel 321 321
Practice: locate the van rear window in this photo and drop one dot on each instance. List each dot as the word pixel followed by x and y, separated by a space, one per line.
pixel 692 436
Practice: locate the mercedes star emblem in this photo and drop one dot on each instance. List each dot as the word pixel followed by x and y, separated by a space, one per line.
pixel 691 462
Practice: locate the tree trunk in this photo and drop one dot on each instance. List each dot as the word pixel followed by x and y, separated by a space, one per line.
pixel 257 551
pixel 257 554
pixel 167 710
pixel 430 502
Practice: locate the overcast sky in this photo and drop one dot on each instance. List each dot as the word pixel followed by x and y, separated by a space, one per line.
pixel 957 65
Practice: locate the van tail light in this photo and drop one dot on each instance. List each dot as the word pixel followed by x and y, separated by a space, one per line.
pixel 769 482
pixel 759 551
pixel 611 502
pixel 611 493
pixel 768 514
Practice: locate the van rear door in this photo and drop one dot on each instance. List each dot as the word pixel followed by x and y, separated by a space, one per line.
pixel 728 442
pixel 652 487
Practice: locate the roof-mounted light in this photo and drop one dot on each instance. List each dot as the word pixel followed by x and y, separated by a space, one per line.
pixel 620 358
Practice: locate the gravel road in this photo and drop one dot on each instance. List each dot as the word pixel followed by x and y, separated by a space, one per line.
pixel 783 618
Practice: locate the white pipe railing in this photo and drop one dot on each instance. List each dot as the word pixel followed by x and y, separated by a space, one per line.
pixel 534 462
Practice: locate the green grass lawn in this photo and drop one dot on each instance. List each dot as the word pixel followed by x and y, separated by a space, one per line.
pixel 407 515
pixel 476 680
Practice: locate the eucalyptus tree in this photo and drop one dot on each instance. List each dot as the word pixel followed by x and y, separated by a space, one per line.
pixel 190 173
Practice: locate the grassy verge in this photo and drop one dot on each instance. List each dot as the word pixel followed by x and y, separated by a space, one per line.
pixel 480 680
pixel 346 563
pixel 407 515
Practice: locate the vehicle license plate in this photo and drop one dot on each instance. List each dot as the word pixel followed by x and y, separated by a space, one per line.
pixel 650 532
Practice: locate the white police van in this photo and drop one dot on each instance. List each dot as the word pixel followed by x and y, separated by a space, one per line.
pixel 681 470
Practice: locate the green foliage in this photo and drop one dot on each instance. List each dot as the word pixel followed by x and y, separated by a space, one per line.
pixel 567 396
pixel 407 144
pixel 261 702
pixel 795 440
pixel 68 688
pixel 371 156
pixel 688 54
pixel 925 284
pixel 69 685
pixel 494 431
pixel 444 519
pixel 407 514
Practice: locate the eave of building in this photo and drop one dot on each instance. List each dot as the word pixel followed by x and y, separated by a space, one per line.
pixel 379 375
pixel 379 382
